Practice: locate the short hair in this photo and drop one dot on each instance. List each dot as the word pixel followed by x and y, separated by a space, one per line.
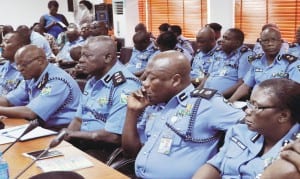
pixel 21 38
pixel 215 26
pixel 87 4
pixel 238 34
pixel 176 29
pixel 266 26
pixel 287 94
pixel 164 27
pixel 167 39
pixel 53 3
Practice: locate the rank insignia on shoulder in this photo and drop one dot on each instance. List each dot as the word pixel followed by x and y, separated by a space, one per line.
pixel 205 93
pixel 43 81
pixel 244 49
pixel 107 78
pixel 288 57
pixel 118 78
pixel 251 58
pixel 292 45
pixel 179 49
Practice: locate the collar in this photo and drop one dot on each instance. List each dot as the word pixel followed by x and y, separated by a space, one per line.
pixel 41 77
pixel 181 97
pixel 106 79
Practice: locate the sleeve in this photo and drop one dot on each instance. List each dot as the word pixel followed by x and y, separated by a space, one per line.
pixel 196 69
pixel 50 99
pixel 244 65
pixel 19 96
pixel 117 113
pixel 249 79
pixel 294 71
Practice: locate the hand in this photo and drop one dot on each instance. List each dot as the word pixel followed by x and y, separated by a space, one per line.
pixel 291 153
pixel 138 101
pixel 68 134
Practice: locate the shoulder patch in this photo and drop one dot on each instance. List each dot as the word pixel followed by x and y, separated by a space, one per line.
pixel 118 78
pixel 43 82
pixel 290 58
pixel 205 93
pixel 244 49
pixel 251 58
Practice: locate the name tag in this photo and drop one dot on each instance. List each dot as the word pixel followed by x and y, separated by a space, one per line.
pixel 238 143
pixel 258 70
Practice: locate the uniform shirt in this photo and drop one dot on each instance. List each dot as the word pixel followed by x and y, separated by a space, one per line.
pixel 168 154
pixel 54 96
pixel 280 68
pixel 10 78
pixel 239 157
pixel 139 59
pixel 201 63
pixel 185 44
pixel 185 52
pixel 41 42
pixel 225 70
pixel 64 53
pixel 294 49
pixel 103 104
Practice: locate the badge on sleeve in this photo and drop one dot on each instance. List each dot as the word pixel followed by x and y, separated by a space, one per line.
pixel 46 91
pixel 123 98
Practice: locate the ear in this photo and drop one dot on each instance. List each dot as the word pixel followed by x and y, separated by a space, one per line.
pixel 176 80
pixel 285 116
pixel 108 58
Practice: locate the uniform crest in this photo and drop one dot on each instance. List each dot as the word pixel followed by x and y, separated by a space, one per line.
pixel 205 93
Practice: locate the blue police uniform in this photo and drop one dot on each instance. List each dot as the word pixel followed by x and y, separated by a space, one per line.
pixel 10 78
pixel 283 66
pixel 103 103
pixel 183 134
pixel 185 44
pixel 239 157
pixel 139 59
pixel 64 53
pixel 185 52
pixel 225 70
pixel 294 49
pixel 201 63
pixel 41 42
pixel 54 96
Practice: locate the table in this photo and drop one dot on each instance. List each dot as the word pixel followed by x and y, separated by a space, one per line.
pixel 17 162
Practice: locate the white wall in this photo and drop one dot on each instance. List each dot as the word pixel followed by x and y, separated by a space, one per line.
pixel 26 12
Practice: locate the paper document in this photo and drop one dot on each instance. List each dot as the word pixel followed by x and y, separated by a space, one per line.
pixel 15 132
pixel 64 163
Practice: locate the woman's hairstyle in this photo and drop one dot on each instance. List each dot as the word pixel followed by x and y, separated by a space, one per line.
pixel 53 3
pixel 286 93
pixel 87 4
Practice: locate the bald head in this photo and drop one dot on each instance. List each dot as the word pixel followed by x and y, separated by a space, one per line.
pixel 207 33
pixel 206 39
pixel 29 51
pixel 271 30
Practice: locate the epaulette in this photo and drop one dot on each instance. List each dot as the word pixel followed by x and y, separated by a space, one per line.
pixel 251 58
pixel 181 41
pixel 43 82
pixel 290 58
pixel 205 93
pixel 179 49
pixel 244 49
pixel 292 45
pixel 118 78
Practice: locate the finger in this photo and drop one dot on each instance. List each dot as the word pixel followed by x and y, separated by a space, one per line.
pixel 293 146
pixel 291 156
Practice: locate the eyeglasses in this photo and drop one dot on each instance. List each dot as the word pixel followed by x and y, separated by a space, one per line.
pixel 266 41
pixel 256 108
pixel 25 64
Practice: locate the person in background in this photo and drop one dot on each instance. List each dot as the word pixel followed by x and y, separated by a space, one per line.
pixel 164 27
pixel 54 23
pixel 37 39
pixel 249 149
pixel 141 53
pixel 51 40
pixel 48 93
pixel 294 48
pixel 84 13
pixel 182 42
pixel 99 28
pixel 229 64
pixel 217 29
pixel 98 124
pixel 85 30
pixel 207 46
pixel 274 63
pixel 171 127
pixel 74 39
pixel 10 77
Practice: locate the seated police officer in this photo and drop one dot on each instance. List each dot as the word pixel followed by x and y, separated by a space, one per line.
pixel 48 93
pixel 10 77
pixel 170 126
pixel 99 120
pixel 143 50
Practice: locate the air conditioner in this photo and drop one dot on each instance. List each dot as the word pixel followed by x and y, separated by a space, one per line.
pixel 125 15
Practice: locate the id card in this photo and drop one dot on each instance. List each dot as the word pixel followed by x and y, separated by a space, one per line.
pixel 165 145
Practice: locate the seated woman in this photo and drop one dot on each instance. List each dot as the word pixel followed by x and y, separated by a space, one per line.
pixel 272 118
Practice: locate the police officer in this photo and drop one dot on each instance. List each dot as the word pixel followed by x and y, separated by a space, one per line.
pixel 49 93
pixel 143 50
pixel 294 48
pixel 206 48
pixel 170 126
pixel 10 77
pixel 99 120
pixel 249 149
pixel 274 63
pixel 229 64
pixel 182 42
